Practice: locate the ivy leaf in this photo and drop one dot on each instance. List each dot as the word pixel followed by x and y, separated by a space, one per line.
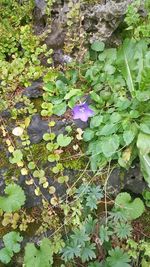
pixel 132 209
pixel 117 258
pixel 98 46
pixel 39 257
pixel 14 199
pixel 110 145
pixel 88 252
pixel 63 140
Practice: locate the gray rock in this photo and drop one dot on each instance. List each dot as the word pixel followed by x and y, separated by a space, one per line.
pixel 34 91
pixel 41 5
pixel 38 127
pixel 130 181
pixel 101 20
pixel 5 113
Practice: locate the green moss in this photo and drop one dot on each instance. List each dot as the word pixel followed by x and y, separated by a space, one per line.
pixel 40 152
pixel 75 164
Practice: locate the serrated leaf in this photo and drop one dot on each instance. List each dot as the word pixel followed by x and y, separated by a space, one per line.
pixel 14 199
pixel 117 258
pixel 88 252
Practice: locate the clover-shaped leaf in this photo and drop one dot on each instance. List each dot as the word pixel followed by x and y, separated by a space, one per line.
pixel 63 140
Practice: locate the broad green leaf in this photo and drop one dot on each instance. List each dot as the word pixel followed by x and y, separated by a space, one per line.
pixel 128 136
pixel 5 255
pixel 108 129
pixel 12 240
pixel 39 257
pixel 63 140
pixel 145 167
pixel 143 143
pixel 110 145
pixel 60 109
pixel 96 121
pixel 145 127
pixel 88 135
pixel 71 93
pixel 131 209
pixel 98 46
pixel 14 199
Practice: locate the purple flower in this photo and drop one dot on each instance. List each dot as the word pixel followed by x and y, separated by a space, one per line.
pixel 82 112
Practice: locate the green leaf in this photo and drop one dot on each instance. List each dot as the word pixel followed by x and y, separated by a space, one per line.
pixel 80 237
pixel 108 129
pixel 60 109
pixel 123 230
pixel 71 93
pixel 145 167
pixel 95 264
pixel 110 145
pixel 131 209
pixel 5 255
pixel 145 127
pixel 98 46
pixel 88 252
pixel 96 121
pixel 104 234
pixel 88 135
pixel 14 200
pixel 39 257
pixel 117 258
pixel 143 143
pixel 128 136
pixel 70 252
pixel 63 140
pixel 12 240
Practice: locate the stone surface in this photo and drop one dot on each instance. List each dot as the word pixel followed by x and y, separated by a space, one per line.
pixel 101 20
pixel 130 181
pixel 38 127
pixel 34 91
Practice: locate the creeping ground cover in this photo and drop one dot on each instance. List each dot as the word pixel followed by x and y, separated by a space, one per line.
pixel 74 136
